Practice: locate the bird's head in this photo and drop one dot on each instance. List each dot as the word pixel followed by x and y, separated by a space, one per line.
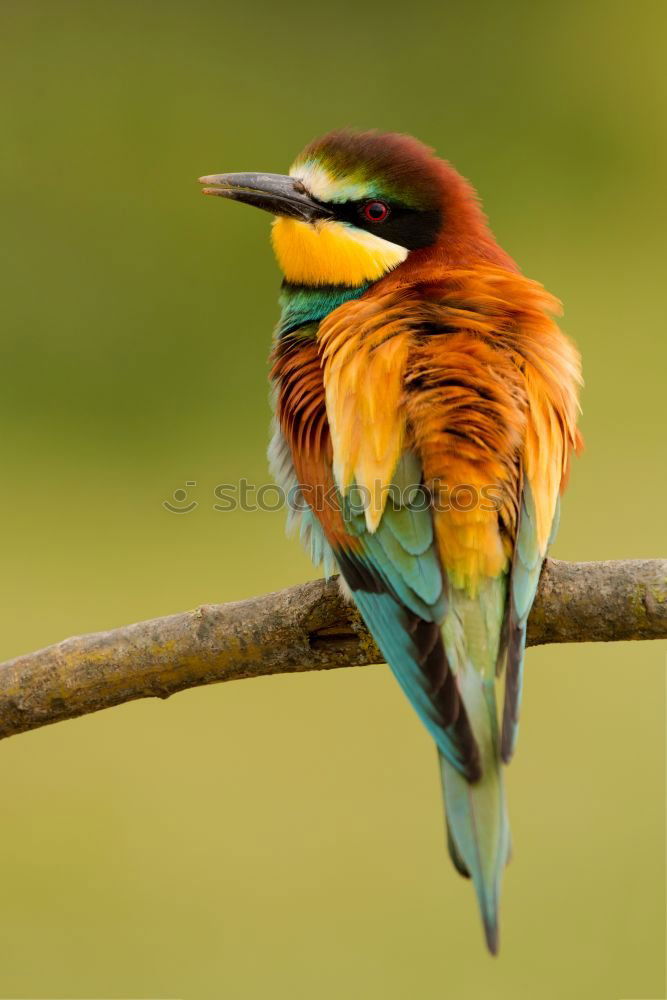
pixel 356 205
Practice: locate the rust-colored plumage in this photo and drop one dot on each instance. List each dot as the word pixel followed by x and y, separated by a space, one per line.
pixel 471 373
pixel 302 416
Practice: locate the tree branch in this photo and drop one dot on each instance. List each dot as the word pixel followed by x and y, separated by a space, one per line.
pixel 308 627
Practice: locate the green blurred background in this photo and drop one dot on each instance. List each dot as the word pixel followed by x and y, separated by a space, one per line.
pixel 283 837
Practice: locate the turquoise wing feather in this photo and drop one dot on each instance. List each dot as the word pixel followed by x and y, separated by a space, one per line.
pixel 524 580
pixel 398 585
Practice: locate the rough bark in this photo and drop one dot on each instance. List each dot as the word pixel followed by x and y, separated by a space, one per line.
pixel 308 627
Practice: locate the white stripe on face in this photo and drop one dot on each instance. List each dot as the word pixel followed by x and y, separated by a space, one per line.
pixel 326 186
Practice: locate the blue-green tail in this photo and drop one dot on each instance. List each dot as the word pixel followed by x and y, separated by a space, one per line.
pixel 477 825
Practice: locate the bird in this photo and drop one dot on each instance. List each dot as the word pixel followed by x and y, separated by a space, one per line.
pixel 425 414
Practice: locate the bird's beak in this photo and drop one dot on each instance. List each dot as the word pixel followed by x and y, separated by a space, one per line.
pixel 275 193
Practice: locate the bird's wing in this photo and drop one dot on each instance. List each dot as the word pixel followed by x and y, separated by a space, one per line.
pixel 387 557
pixel 551 436
pixel 496 403
pixel 396 580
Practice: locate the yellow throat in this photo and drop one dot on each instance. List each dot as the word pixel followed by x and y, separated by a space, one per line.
pixel 332 253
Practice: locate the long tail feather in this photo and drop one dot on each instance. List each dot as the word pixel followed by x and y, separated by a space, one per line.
pixel 477 824
pixel 478 838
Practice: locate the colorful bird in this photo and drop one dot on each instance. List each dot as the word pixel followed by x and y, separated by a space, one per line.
pixel 425 413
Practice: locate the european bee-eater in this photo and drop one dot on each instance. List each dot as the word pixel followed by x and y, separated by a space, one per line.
pixel 425 411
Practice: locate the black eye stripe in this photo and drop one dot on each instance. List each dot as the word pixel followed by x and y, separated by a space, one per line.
pixel 411 228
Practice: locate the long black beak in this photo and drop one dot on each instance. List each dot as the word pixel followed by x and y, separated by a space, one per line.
pixel 275 193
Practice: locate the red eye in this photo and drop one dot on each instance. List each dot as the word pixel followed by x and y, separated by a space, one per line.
pixel 375 211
